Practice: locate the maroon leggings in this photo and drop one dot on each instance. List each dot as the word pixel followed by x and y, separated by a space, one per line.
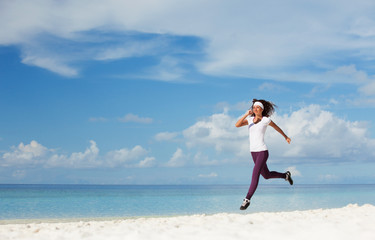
pixel 260 168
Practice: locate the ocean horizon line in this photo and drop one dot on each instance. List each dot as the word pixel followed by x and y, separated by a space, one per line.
pixel 187 184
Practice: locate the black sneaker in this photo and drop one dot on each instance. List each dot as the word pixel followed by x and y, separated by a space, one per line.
pixel 245 204
pixel 289 178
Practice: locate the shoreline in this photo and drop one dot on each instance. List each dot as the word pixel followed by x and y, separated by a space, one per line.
pixel 117 218
pixel 349 222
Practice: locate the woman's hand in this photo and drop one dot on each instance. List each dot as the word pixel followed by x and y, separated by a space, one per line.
pixel 288 139
pixel 242 121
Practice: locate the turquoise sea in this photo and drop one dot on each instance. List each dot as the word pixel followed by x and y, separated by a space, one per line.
pixel 112 201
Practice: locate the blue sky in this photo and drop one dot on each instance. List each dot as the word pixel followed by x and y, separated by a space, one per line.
pixel 119 92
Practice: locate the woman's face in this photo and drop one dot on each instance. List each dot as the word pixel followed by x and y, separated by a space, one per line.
pixel 257 110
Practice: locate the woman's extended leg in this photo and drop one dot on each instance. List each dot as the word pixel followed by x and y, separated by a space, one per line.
pixel 260 159
pixel 267 174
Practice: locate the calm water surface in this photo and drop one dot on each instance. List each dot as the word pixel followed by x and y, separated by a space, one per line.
pixel 97 201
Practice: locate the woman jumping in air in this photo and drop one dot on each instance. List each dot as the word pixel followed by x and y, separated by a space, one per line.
pixel 257 119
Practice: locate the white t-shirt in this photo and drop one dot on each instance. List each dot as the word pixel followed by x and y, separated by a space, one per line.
pixel 256 134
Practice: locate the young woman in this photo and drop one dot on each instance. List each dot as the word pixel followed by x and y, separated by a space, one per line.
pixel 257 119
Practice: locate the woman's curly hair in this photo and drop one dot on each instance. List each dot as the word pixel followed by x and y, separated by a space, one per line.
pixel 269 107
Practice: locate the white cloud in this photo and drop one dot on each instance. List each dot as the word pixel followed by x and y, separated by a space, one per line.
pixel 317 136
pixel 124 156
pixel 362 27
pixel 167 70
pixel 217 131
pixel 147 162
pixel 132 48
pixel 244 38
pixel 166 136
pixel 89 155
pixel 178 159
pixel 87 159
pixel 24 154
pixel 348 74
pixel 293 170
pixel 368 89
pixel 51 63
pixel 35 154
pixel 135 118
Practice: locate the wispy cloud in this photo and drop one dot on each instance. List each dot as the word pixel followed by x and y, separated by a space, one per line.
pixel 329 178
pixel 211 175
pixel 167 70
pixel 273 87
pixel 368 89
pixel 166 136
pixel 294 41
pixel 98 119
pixel 135 118
pixel 51 63
pixel 128 118
pixel 133 46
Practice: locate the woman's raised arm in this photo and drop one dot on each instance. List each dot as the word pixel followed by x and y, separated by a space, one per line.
pixel 242 121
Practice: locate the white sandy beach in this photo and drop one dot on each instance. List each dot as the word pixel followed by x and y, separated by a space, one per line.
pixel 350 222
